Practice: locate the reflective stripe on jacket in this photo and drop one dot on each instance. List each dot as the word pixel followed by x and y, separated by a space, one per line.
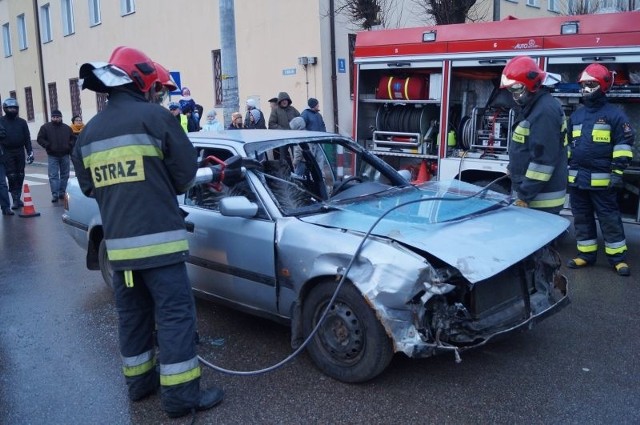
pixel 600 142
pixel 537 153
pixel 126 165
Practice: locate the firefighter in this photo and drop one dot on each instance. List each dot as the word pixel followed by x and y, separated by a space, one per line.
pixel 134 158
pixel 600 142
pixel 537 154
pixel 16 141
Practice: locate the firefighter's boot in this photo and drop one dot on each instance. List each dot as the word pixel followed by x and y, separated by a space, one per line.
pixel 622 269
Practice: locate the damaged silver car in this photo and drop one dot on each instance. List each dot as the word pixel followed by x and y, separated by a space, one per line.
pixel 440 267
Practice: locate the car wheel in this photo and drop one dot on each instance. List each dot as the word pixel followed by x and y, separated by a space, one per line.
pixel 351 344
pixel 105 265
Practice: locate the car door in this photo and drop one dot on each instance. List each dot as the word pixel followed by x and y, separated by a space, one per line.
pixel 231 258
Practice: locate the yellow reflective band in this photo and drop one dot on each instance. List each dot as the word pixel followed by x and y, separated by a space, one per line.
pixel 622 153
pixel 537 175
pixel 601 136
pixel 572 179
pixel 547 203
pixel 180 378
pixel 587 248
pixel 140 369
pixel 576 133
pixel 600 182
pixel 148 251
pixel 128 278
pixel 613 251
pixel 406 87
pixel 117 153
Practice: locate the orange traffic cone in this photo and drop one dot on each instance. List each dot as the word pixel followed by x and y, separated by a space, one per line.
pixel 28 210
pixel 423 173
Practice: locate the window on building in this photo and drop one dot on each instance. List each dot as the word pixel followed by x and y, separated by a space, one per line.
pixel 45 24
pixel 217 76
pixel 352 48
pixel 74 92
pixel 68 26
pixel 22 32
pixel 94 13
pixel 53 96
pixel 533 3
pixel 127 7
pixel 31 116
pixel 6 40
pixel 101 101
pixel 552 6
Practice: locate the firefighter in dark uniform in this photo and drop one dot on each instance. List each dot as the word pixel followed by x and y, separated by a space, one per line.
pixel 134 158
pixel 16 142
pixel 600 142
pixel 537 152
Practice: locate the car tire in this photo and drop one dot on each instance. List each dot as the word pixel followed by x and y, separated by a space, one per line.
pixel 105 265
pixel 351 345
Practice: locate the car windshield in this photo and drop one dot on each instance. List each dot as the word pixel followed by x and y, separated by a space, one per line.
pixel 312 174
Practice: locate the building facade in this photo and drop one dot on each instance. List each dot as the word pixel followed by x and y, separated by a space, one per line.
pixel 296 46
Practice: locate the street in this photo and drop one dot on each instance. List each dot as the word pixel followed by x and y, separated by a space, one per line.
pixel 60 364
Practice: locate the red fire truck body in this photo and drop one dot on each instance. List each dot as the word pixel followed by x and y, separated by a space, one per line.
pixel 428 99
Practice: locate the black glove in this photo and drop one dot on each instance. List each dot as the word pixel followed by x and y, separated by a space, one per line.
pixel 615 181
pixel 30 158
pixel 232 172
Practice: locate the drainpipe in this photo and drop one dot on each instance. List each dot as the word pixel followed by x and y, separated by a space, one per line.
pixel 334 79
pixel 43 94
pixel 496 10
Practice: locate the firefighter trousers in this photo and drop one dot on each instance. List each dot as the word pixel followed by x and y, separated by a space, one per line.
pixel 585 205
pixel 159 301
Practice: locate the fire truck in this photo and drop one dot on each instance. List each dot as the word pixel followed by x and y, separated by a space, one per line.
pixel 428 99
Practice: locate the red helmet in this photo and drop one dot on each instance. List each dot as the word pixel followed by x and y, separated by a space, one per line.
pixel 522 72
pixel 137 65
pixel 599 76
pixel 164 77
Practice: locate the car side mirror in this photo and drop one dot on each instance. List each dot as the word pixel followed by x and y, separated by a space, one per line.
pixel 238 206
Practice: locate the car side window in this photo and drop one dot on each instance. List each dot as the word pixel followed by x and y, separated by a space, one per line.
pixel 209 195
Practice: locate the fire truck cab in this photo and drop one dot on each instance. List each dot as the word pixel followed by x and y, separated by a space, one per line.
pixel 428 99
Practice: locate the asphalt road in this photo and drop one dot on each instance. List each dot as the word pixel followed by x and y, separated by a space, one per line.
pixel 59 360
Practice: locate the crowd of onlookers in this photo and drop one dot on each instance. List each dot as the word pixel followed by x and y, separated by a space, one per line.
pixel 282 112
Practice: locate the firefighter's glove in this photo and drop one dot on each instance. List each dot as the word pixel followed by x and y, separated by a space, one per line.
pixel 520 203
pixel 232 171
pixel 615 181
pixel 30 158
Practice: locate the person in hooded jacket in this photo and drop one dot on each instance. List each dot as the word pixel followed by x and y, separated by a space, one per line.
pixel 258 117
pixel 600 141
pixel 282 115
pixel 57 139
pixel 15 143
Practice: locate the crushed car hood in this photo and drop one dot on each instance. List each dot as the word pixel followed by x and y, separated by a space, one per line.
pixel 478 236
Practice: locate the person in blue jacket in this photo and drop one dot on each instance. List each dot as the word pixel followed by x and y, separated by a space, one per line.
pixel 600 140
pixel 312 117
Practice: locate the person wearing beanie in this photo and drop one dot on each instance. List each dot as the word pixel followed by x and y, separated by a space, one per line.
pixel 283 114
pixel 273 103
pixel 57 139
pixel 312 117
pixel 252 109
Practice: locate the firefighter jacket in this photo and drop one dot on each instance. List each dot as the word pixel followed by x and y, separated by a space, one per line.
pixel 537 154
pixel 600 141
pixel 135 158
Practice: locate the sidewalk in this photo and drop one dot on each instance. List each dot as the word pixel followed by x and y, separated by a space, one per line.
pixel 40 155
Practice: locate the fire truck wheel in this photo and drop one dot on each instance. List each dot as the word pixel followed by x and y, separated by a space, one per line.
pixel 351 344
